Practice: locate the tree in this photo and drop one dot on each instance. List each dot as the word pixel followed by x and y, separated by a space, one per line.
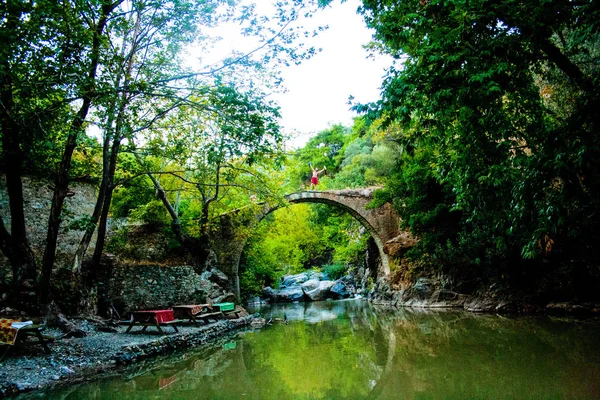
pixel 492 105
pixel 146 55
pixel 145 82
pixel 216 141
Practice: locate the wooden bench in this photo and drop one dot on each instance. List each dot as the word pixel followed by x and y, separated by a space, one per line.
pixel 192 311
pixel 36 332
pixel 206 317
pixel 226 308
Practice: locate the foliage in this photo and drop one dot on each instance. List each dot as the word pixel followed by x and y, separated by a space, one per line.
pixel 492 107
pixel 299 238
pixel 152 212
pixel 334 271
pixel 130 196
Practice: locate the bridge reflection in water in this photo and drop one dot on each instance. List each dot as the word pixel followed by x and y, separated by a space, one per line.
pixel 354 350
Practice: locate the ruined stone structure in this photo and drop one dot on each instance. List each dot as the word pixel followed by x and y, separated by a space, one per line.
pixel 383 223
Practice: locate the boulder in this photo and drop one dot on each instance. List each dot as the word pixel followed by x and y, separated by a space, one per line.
pixel 317 290
pixel 217 276
pixel 224 298
pixel 310 285
pixel 258 322
pixel 339 290
pixel 317 275
pixel 283 295
pixel 423 288
pixel 210 290
pixel 293 280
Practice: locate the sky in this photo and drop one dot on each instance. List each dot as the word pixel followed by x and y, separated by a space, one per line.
pixel 318 89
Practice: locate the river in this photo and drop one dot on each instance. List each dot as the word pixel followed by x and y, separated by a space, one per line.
pixel 354 350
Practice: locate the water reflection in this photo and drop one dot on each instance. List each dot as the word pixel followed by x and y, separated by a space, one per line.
pixel 353 350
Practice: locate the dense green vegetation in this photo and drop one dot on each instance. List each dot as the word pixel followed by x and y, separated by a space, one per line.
pixel 495 107
pixel 485 137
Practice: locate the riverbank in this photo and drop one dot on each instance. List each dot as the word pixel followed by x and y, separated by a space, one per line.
pixel 27 368
pixel 493 298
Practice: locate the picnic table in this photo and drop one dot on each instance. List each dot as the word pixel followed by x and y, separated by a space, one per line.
pixel 226 308
pixel 157 318
pixel 196 311
pixel 10 335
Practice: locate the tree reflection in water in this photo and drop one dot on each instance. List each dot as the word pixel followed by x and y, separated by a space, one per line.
pixel 354 350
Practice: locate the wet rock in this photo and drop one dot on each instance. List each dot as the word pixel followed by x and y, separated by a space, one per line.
pixel 258 322
pixel 290 294
pixel 310 285
pixel 339 290
pixel 423 288
pixel 294 280
pixel 317 290
pixel 480 305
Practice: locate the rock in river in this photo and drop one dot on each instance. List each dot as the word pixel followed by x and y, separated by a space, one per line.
pixel 317 290
pixel 339 290
pixel 287 294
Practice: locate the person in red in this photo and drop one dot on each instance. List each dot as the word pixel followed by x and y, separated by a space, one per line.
pixel 314 181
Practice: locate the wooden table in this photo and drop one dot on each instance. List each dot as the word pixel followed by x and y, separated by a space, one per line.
pixel 156 318
pixel 21 334
pixel 196 311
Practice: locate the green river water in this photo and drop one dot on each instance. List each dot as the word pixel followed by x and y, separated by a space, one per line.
pixel 354 350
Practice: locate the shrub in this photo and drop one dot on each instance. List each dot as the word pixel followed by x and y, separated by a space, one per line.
pixel 334 271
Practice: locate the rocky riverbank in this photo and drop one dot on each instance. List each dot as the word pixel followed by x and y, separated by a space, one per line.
pixel 26 368
pixel 432 293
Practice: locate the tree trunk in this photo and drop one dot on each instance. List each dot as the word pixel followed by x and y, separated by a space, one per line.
pixel 14 245
pixel 61 188
pixel 92 270
pixel 85 241
pixel 95 264
pixel 55 318
pixel 199 248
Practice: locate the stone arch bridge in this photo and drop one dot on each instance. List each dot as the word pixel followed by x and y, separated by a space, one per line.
pixel 383 223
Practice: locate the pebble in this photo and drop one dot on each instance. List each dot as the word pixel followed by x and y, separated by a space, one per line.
pixel 67 370
pixel 82 357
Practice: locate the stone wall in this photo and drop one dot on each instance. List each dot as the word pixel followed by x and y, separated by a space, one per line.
pixel 37 195
pixel 135 287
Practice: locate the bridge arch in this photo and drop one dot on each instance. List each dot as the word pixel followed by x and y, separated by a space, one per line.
pixel 351 206
pixel 382 223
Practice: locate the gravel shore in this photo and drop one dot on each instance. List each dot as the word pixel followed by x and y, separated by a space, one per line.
pixel 27 367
